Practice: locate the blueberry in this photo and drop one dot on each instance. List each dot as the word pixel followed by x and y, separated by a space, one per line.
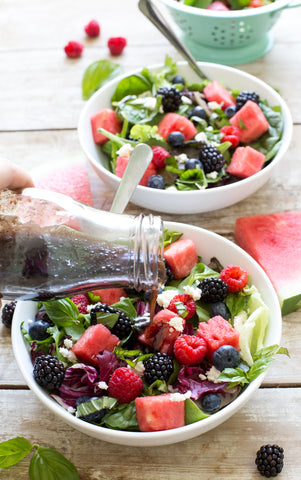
pixel 230 111
pixel 220 308
pixel 211 402
pixel 225 356
pixel 198 112
pixel 176 139
pixel 178 79
pixel 193 163
pixel 156 181
pixel 38 330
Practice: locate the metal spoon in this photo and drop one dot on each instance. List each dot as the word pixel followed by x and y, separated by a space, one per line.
pixel 139 160
pixel 150 11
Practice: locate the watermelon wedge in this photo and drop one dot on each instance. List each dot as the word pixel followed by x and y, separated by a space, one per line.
pixel 274 241
pixel 69 177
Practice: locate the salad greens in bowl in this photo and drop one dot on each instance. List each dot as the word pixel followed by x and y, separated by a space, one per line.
pixel 150 383
pixel 215 141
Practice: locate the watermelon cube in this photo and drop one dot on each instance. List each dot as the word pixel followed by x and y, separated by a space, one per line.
pixel 217 6
pixel 181 256
pixel 245 162
pixel 94 340
pixel 250 121
pixel 121 165
pixel 215 92
pixel 274 241
pixel 107 119
pixel 217 332
pixel 110 295
pixel 160 412
pixel 173 122
pixel 162 333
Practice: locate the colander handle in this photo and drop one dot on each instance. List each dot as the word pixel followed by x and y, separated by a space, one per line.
pixel 149 10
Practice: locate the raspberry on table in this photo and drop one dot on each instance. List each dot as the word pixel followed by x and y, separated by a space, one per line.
pixel 82 302
pixel 187 301
pixel 125 385
pixel 116 45
pixel 235 277
pixel 92 28
pixel 159 156
pixel 190 349
pixel 269 460
pixel 73 49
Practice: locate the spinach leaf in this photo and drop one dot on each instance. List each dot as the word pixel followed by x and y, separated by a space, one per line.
pixel 130 86
pixel 97 74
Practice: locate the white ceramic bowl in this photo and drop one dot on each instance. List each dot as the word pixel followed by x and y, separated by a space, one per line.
pixel 208 245
pixel 185 202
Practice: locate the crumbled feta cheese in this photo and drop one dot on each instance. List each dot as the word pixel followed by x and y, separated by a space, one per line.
pixel 172 188
pixel 68 343
pixel 213 374
pixel 179 397
pixel 177 323
pixel 92 305
pixel 164 298
pixel 68 354
pixel 150 103
pixel 201 137
pixel 202 376
pixel 139 368
pixel 214 105
pixel 212 175
pixel 103 385
pixel 186 100
pixel 182 158
pixel 71 410
pixel 125 150
pixel 193 292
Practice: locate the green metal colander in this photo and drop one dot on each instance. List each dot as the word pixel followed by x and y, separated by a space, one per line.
pixel 229 38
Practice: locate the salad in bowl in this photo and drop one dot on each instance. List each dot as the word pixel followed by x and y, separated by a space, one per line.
pixel 114 367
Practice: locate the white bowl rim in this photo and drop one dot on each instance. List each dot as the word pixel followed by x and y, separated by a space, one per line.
pixel 202 12
pixel 149 438
pixel 288 126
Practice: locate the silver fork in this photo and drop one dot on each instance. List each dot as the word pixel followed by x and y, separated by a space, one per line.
pixel 150 11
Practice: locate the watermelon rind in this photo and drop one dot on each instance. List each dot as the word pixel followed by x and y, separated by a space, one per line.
pixel 290 304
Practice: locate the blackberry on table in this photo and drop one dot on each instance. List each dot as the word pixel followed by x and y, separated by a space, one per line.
pixel 171 99
pixel 269 460
pixel 213 290
pixel 48 372
pixel 158 367
pixel 244 96
pixel 8 313
pixel 123 325
pixel 211 158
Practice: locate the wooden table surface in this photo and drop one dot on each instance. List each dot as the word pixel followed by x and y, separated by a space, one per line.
pixel 40 103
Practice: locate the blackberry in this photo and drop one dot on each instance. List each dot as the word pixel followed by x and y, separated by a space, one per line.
pixel 171 99
pixel 213 290
pixel 158 367
pixel 244 96
pixel 123 325
pixel 211 158
pixel 8 313
pixel 269 460
pixel 48 372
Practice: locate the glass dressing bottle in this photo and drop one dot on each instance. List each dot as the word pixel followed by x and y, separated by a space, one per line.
pixel 52 246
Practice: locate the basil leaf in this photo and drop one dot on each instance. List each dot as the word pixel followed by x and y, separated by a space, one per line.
pixel 14 450
pixel 171 237
pixel 97 74
pixel 131 85
pixel 62 312
pixel 127 307
pixel 48 464
pixel 122 418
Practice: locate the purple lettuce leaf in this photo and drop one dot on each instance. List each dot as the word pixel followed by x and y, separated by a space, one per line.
pixel 188 379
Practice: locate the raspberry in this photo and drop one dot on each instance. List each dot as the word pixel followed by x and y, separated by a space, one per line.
pixel 82 303
pixel 230 134
pixel 187 301
pixel 73 49
pixel 125 385
pixel 190 349
pixel 92 29
pixel 159 155
pixel 116 45
pixel 256 3
pixel 235 277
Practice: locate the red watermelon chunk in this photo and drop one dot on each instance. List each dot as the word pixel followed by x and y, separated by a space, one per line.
pixel 250 121
pixel 245 162
pixel 217 6
pixel 274 241
pixel 215 92
pixel 110 295
pixel 162 333
pixel 94 340
pixel 181 257
pixel 107 119
pixel 160 412
pixel 173 122
pixel 217 332
pixel 121 165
